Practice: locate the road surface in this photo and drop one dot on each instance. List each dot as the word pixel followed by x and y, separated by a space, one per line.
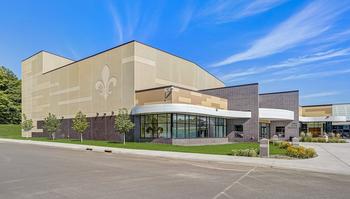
pixel 34 172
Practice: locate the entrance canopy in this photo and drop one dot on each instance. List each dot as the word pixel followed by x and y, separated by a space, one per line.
pixel 188 109
pixel 274 114
pixel 323 119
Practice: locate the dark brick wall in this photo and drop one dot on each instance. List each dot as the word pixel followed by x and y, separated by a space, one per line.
pixel 283 100
pixel 241 98
pixel 100 128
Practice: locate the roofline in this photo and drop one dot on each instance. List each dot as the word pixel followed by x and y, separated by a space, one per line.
pixel 41 51
pixel 120 46
pixel 241 85
pixel 316 105
pixel 181 58
pixel 281 92
pixel 312 105
pixel 91 56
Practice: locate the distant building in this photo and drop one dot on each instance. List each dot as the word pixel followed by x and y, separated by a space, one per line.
pixel 325 118
pixel 172 100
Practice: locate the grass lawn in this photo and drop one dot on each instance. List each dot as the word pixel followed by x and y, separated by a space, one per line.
pixel 10 131
pixel 14 131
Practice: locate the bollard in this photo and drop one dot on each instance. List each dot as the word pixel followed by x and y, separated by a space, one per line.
pixel 264 148
pixel 295 141
pixel 274 138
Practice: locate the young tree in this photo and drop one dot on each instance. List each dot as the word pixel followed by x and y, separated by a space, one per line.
pixel 123 124
pixel 80 124
pixel 27 124
pixel 51 124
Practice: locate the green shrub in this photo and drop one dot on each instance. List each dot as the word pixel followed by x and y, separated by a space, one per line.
pixel 337 135
pixel 284 145
pixel 336 140
pixel 309 135
pixel 300 152
pixel 252 153
pixel 277 143
pixel 302 134
pixel 310 152
pixel 322 140
pixel 245 152
pixel 309 139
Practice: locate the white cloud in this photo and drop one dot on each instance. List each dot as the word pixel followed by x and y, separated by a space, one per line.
pixel 292 62
pixel 258 6
pixel 117 22
pixel 225 11
pixel 310 22
pixel 131 22
pixel 322 94
pixel 186 17
pixel 309 75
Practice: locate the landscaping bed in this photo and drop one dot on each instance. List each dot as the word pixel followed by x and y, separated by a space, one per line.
pixel 331 138
pixel 285 150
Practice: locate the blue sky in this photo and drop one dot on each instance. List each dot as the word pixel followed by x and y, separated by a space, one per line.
pixel 283 45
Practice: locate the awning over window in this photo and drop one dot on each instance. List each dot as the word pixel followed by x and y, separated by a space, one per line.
pixel 323 119
pixel 275 114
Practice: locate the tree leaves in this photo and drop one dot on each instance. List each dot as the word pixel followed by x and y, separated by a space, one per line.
pixel 10 97
pixel 123 124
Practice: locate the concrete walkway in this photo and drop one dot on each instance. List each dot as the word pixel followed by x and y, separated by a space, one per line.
pixel 332 158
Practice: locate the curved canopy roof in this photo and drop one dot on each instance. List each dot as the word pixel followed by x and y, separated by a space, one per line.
pixel 189 109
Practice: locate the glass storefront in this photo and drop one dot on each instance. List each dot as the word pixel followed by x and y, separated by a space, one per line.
pixel 181 126
pixel 316 128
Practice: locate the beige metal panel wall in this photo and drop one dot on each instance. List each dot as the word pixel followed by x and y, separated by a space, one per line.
pixel 316 111
pixel 52 62
pixel 99 84
pixel 154 68
pixel 182 96
pixel 192 97
pixel 156 96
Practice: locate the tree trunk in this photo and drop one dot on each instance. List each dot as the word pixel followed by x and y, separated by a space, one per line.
pixel 81 137
pixel 53 136
pixel 124 138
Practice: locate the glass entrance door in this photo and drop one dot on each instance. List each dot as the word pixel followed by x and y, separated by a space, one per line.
pixel 264 130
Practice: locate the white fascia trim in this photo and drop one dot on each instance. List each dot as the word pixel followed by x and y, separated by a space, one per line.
pixel 188 109
pixel 274 114
pixel 323 119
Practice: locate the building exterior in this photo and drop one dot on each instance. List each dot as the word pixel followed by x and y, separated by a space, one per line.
pixel 325 118
pixel 171 100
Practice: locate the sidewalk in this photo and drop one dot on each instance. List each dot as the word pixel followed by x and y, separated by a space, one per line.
pixel 328 160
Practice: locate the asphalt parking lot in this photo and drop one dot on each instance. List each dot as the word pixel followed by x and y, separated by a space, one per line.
pixel 28 171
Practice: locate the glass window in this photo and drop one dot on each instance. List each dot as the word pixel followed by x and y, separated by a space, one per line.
pixel 192 126
pixel 202 127
pixel 238 128
pixel 155 126
pixel 181 126
pixel 280 131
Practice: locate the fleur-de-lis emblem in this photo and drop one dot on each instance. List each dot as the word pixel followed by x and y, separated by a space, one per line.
pixel 103 86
